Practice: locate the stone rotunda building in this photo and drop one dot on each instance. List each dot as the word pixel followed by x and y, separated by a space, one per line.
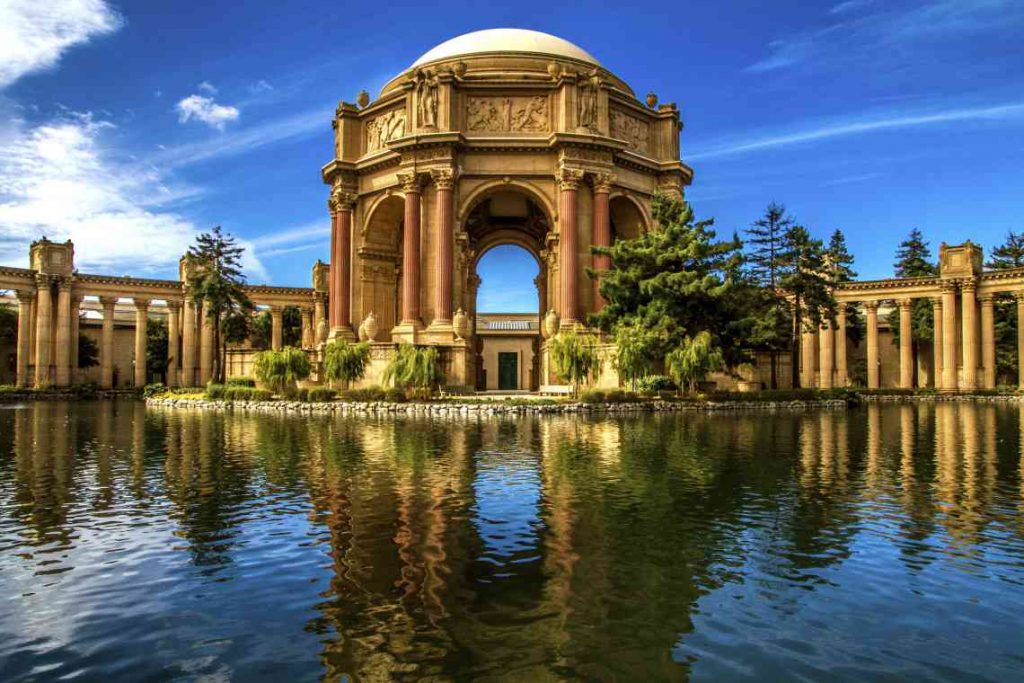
pixel 504 136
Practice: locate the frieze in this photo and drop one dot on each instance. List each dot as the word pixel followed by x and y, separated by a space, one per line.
pixel 507 114
pixel 384 128
pixel 635 132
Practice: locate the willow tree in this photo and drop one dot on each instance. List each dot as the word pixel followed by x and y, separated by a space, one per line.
pixel 345 362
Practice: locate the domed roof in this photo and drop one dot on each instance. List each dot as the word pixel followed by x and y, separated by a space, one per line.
pixel 506 40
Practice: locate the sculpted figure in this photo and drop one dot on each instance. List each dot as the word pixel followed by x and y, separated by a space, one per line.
pixel 588 101
pixel 426 91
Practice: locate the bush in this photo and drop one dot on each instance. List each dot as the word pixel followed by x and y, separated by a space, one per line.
pixel 215 392
pixel 151 389
pixel 344 362
pixel 321 395
pixel 91 389
pixel 282 370
pixel 395 395
pixel 241 382
pixel 653 384
pixel 592 396
pixel 365 395
pixel 241 393
pixel 574 358
pixel 414 367
pixel 607 396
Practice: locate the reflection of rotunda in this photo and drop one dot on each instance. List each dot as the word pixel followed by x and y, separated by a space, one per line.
pixel 495 137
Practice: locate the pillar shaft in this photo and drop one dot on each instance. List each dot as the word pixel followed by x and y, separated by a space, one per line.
pixel 44 323
pixel 826 354
pixel 107 343
pixel 307 328
pixel 206 349
pixel 569 180
pixel 340 300
pixel 318 315
pixel 411 252
pixel 949 378
pixel 937 350
pixel 173 311
pixel 808 344
pixel 969 326
pixel 24 325
pixel 906 345
pixel 602 232
pixel 842 367
pixel 444 181
pixel 141 320
pixel 76 329
pixel 1020 341
pixel 871 315
pixel 988 343
pixel 188 342
pixel 276 327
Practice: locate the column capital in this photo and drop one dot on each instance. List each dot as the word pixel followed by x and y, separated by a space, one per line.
pixel 870 305
pixel 64 284
pixel 968 285
pixel 141 303
pixel 603 182
pixel 986 299
pixel 444 178
pixel 173 304
pixel 569 178
pixel 949 286
pixel 108 302
pixel 276 309
pixel 43 280
pixel 26 295
pixel 411 183
pixel 340 200
pixel 936 301
pixel 904 303
pixel 1019 296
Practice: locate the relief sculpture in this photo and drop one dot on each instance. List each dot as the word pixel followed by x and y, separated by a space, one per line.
pixel 384 128
pixel 507 114
pixel 631 129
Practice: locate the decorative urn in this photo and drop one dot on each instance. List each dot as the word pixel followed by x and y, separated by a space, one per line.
pixel 363 99
pixel 551 323
pixel 370 327
pixel 460 324
pixel 652 100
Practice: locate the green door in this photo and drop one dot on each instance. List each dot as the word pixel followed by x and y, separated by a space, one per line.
pixel 508 371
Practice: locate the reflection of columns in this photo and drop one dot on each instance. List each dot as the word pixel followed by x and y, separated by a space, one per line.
pixel 411 249
pixel 808 342
pixel 949 379
pixel 988 343
pixel 602 230
pixel 1019 296
pixel 276 327
pixel 307 327
pixel 906 345
pixel 568 182
pixel 826 346
pixel 173 309
pixel 188 342
pixel 24 321
pixel 141 320
pixel 340 300
pixel 842 372
pixel 44 322
pixel 107 343
pixel 444 181
pixel 205 344
pixel 970 334
pixel 937 342
pixel 871 311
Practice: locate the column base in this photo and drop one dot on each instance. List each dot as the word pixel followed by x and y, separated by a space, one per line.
pixel 439 332
pixel 407 331
pixel 341 332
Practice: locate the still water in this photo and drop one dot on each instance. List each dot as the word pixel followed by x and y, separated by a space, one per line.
pixel 886 543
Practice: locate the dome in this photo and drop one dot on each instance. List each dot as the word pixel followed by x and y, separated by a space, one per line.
pixel 506 40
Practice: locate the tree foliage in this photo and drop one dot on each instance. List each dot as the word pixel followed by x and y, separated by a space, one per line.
pixel 413 367
pixel 282 370
pixel 840 268
pixel 574 358
pixel 691 362
pixel 88 352
pixel 807 286
pixel 1009 254
pixel 635 353
pixel 345 362
pixel 914 259
pixel 156 349
pixel 766 246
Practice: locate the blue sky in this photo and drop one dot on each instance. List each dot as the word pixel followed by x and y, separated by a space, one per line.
pixel 131 125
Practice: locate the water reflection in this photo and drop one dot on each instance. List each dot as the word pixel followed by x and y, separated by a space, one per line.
pixel 824 545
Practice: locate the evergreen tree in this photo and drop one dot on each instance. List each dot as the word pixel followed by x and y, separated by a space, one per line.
pixel 1010 254
pixel 765 248
pixel 806 283
pixel 215 259
pixel 88 352
pixel 156 349
pixel 914 259
pixel 840 268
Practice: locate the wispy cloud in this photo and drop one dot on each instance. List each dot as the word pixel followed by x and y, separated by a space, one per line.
pixel 205 110
pixel 313 235
pixel 1011 111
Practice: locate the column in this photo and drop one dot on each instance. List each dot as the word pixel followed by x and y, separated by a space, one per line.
pixel 340 299
pixel 44 322
pixel 988 342
pixel 307 327
pixel 1019 296
pixel 188 342
pixel 949 378
pixel 276 327
pixel 332 207
pixel 871 314
pixel 141 320
pixel 602 230
pixel 969 329
pixel 411 250
pixel 318 315
pixel 173 310
pixel 568 182
pixel 906 345
pixel 107 343
pixel 842 369
pixel 808 345
pixel 205 344
pixel 937 342
pixel 24 323
pixel 826 355
pixel 76 330
pixel 62 348
pixel 444 182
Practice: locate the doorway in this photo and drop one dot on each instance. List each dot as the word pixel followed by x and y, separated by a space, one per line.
pixel 508 371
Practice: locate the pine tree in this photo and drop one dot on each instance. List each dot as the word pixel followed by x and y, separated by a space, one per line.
pixel 840 267
pixel 215 259
pixel 914 259
pixel 772 328
pixel 1010 254
pixel 806 283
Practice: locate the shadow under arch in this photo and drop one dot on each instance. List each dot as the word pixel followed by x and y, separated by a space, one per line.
pixel 377 281
pixel 629 217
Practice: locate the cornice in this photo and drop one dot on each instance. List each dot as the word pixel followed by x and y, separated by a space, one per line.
pixel 126 280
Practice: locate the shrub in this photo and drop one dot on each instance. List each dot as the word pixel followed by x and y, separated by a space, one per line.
pixel 365 395
pixel 91 389
pixel 241 393
pixel 394 395
pixel 592 396
pixel 693 360
pixel 282 370
pixel 215 392
pixel 149 390
pixel 413 367
pixel 574 358
pixel 321 395
pixel 654 384
pixel 240 382
pixel 344 362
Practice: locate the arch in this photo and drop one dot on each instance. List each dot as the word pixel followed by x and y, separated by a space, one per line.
pixel 375 280
pixel 503 237
pixel 628 216
pixel 492 187
pixel 388 211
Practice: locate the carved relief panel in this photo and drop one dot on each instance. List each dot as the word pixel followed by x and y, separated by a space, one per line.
pixel 383 128
pixel 632 129
pixel 498 114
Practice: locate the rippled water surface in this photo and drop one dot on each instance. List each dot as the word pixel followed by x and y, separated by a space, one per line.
pixel 886 543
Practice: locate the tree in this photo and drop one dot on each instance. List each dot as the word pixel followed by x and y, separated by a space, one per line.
pixel 693 360
pixel 282 370
pixel 156 349
pixel 634 357
pixel 414 368
pixel 344 362
pixel 1010 254
pixel 291 326
pixel 840 268
pixel 574 358
pixel 88 352
pixel 806 284
pixel 675 282
pixel 215 260
pixel 914 259
pixel 765 249
pixel 766 246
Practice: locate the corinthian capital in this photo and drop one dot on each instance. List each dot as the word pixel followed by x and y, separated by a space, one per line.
pixel 443 178
pixel 569 178
pixel 410 182
pixel 603 182
pixel 343 200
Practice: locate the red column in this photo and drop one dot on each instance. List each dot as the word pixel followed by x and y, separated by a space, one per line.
pixel 332 206
pixel 444 181
pixel 602 230
pixel 341 280
pixel 568 181
pixel 411 250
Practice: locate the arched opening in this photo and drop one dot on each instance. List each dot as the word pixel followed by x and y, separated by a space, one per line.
pixel 376 281
pixel 627 219
pixel 507 289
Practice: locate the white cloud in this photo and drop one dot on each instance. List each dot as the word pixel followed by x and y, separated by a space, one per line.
pixel 34 34
pixel 204 109
pixel 57 180
pixel 207 87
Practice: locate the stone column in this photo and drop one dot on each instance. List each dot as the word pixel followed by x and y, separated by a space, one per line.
pixel 141 318
pixel 602 230
pixel 62 349
pixel 44 326
pixel 1019 296
pixel 949 378
pixel 871 314
pixel 988 342
pixel 173 310
pixel 188 342
pixel 444 182
pixel 411 250
pixel 969 327
pixel 340 299
pixel 107 343
pixel 276 327
pixel 808 344
pixel 307 327
pixel 76 330
pixel 937 342
pixel 318 315
pixel 332 207
pixel 826 355
pixel 206 349
pixel 906 345
pixel 842 367
pixel 24 324
pixel 568 182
